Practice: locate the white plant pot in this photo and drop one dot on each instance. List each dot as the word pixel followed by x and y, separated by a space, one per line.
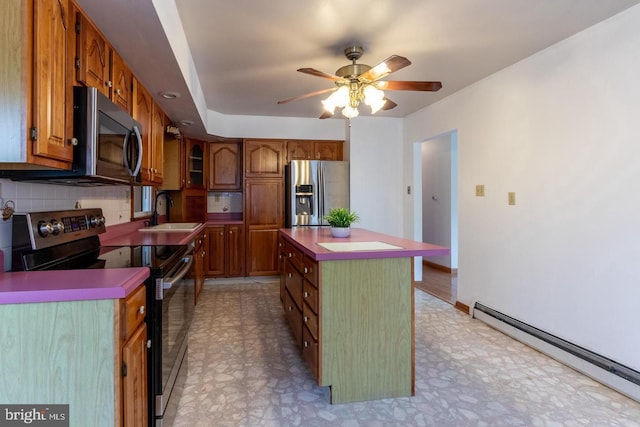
pixel 340 231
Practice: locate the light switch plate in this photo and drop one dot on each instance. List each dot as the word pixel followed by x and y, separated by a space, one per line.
pixel 511 197
pixel 480 190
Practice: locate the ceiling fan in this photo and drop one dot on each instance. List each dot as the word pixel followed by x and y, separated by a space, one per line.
pixel 356 83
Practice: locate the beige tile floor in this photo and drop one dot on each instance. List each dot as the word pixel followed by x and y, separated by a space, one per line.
pixel 244 370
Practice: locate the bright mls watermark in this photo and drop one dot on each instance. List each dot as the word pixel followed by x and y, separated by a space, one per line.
pixel 34 415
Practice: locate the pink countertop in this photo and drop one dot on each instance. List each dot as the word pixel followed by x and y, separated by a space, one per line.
pixel 309 239
pixel 128 235
pixel 69 285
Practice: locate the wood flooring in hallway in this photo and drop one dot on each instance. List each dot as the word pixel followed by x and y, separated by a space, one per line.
pixel 440 284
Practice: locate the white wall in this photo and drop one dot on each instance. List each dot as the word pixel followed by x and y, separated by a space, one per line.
pixel 560 129
pixel 376 173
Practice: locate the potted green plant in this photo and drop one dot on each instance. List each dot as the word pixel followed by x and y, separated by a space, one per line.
pixel 340 220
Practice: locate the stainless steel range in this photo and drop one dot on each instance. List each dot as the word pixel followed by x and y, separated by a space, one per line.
pixel 68 240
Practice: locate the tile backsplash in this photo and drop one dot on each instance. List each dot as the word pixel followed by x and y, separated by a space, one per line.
pixel 224 202
pixel 115 202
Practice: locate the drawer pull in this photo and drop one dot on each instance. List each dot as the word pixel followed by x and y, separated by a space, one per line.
pixel 141 309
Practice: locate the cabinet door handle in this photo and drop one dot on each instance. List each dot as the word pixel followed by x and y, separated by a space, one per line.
pixel 306 344
pixel 306 294
pixel 305 270
pixel 290 308
pixel 306 319
pixel 141 309
pixel 289 275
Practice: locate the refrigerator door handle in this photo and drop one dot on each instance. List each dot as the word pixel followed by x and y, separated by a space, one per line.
pixel 320 192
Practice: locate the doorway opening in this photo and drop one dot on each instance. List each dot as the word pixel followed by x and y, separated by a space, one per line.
pixel 436 212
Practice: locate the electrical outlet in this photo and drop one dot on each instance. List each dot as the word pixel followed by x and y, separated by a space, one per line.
pixel 480 190
pixel 408 189
pixel 511 197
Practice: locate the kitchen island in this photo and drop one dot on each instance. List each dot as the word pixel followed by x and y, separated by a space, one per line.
pixel 349 302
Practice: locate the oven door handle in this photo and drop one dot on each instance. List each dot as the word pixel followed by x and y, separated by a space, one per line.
pixel 169 282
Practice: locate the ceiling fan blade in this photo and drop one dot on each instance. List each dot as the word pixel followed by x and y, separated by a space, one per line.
pixel 389 104
pixel 423 86
pixel 307 95
pixel 325 115
pixel 314 72
pixel 386 67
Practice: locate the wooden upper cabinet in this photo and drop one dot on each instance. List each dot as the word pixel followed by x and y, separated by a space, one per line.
pixel 328 150
pixel 93 56
pixel 314 150
pixel 36 111
pixel 156 152
pixel 224 166
pixel 299 150
pixel 152 119
pixel 264 158
pixel 195 159
pixel 99 65
pixel 122 82
pixel 142 112
pixel 50 94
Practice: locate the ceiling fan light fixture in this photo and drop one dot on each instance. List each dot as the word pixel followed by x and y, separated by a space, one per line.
pixel 339 98
pixel 350 112
pixel 374 98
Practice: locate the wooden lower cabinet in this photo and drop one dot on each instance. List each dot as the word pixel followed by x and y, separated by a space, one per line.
pixel 352 320
pixel 262 253
pixel 226 250
pixel 134 359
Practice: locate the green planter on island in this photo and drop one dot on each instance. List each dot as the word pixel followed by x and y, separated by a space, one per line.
pixel 340 220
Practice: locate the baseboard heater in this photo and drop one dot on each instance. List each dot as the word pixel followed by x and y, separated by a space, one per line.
pixel 609 372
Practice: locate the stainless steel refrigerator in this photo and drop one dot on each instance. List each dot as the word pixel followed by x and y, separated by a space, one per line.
pixel 312 187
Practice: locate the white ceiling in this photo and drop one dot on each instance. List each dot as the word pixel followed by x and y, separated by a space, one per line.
pixel 246 52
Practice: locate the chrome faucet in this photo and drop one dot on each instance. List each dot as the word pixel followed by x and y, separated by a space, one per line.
pixel 154 216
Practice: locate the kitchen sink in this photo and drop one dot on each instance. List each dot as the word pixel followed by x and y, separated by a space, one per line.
pixel 171 226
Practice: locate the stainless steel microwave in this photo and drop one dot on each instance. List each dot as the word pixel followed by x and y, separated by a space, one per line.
pixel 107 145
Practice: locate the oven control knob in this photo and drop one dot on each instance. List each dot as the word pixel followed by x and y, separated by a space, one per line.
pixel 45 228
pixel 96 221
pixel 57 227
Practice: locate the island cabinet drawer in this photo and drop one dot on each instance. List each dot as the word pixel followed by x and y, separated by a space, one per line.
pixel 294 318
pixel 294 255
pixel 293 282
pixel 310 270
pixel 310 351
pixel 310 296
pixel 310 319
pixel 133 309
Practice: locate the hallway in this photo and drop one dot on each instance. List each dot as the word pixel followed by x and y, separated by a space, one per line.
pixel 244 370
pixel 439 283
